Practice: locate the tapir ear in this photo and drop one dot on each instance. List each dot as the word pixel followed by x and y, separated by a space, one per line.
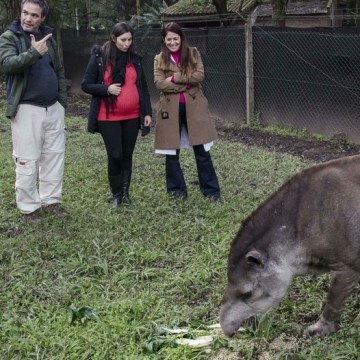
pixel 256 259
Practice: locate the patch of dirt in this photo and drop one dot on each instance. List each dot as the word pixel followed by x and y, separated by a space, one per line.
pixel 278 345
pixel 226 354
pixel 78 105
pixel 310 148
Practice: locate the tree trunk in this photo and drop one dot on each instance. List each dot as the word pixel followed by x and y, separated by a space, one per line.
pixel 59 43
pixel 279 12
pixel 10 10
pixel 221 8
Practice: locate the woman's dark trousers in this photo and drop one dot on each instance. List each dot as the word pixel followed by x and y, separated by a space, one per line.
pixel 175 181
pixel 119 139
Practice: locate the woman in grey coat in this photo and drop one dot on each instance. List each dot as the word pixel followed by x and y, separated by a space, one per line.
pixel 182 115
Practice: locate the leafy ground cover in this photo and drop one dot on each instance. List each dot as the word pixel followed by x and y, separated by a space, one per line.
pixel 104 284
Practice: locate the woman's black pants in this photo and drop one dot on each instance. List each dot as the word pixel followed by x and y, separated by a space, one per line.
pixel 175 181
pixel 119 139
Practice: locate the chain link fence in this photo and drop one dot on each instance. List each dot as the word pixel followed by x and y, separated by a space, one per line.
pixel 309 79
pixel 303 78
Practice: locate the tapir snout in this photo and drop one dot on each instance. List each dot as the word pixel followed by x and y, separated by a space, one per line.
pixel 232 314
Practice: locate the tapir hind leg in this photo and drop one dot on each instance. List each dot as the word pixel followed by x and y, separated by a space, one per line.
pixel 342 283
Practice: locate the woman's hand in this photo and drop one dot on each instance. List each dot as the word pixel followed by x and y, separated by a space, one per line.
pixel 147 120
pixel 114 89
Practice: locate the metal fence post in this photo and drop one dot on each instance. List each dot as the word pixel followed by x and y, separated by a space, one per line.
pixel 249 66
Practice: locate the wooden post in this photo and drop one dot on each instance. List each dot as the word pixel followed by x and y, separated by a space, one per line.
pixel 333 11
pixel 249 65
pixel 138 7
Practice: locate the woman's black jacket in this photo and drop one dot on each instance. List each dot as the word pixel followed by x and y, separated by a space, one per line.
pixel 93 84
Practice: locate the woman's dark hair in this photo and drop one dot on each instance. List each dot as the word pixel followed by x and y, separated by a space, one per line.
pixel 187 62
pixel 109 48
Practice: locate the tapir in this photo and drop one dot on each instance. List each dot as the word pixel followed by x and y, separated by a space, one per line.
pixel 310 225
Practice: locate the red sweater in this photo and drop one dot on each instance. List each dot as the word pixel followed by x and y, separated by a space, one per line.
pixel 128 102
pixel 176 57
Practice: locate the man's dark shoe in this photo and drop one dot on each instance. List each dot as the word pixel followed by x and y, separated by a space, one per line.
pixel 34 217
pixel 213 197
pixel 177 194
pixel 56 209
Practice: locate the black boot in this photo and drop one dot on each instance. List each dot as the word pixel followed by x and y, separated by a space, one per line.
pixel 116 189
pixel 116 201
pixel 126 178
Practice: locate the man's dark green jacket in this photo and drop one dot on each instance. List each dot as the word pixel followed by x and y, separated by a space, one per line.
pixel 16 59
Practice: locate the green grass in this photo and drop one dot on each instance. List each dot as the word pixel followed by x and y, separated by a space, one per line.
pixel 157 262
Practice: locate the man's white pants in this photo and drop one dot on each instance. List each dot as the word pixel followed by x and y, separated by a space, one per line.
pixel 38 137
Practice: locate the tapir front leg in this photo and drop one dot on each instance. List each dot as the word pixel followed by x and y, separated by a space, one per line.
pixel 342 284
